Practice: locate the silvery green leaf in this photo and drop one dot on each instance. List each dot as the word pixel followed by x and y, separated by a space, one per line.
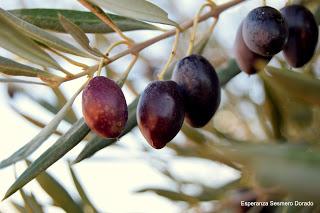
pixel 138 9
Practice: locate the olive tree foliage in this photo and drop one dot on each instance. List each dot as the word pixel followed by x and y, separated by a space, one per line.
pixel 283 164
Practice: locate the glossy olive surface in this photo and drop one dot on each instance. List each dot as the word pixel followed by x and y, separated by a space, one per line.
pixel 247 60
pixel 303 35
pixel 104 107
pixel 160 112
pixel 265 31
pixel 201 89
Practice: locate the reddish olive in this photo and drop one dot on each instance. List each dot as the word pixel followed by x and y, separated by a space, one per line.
pixel 201 89
pixel 104 107
pixel 265 31
pixel 303 35
pixel 247 60
pixel 160 112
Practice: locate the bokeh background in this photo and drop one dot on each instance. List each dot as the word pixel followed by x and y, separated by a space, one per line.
pixel 112 176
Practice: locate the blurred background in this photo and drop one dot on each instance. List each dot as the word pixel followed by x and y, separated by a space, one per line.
pixel 113 176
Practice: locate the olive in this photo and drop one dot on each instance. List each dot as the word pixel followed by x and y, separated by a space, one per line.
pixel 160 112
pixel 247 60
pixel 265 31
pixel 303 35
pixel 104 107
pixel 201 89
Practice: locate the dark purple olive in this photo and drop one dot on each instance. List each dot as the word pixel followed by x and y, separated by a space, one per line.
pixel 160 112
pixel 247 60
pixel 265 31
pixel 201 89
pixel 104 107
pixel 303 35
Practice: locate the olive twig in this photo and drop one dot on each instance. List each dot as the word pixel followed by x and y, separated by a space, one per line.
pixel 195 25
pixel 105 18
pixel 136 48
pixel 124 76
pixel 100 67
pixel 172 55
pixel 264 2
pixel 115 44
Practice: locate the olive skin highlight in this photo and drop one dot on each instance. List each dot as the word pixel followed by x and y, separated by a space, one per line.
pixel 303 35
pixel 160 112
pixel 104 107
pixel 265 31
pixel 201 89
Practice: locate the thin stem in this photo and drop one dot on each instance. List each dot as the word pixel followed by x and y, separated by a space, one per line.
pixel 264 2
pixel 125 75
pixel 195 25
pixel 78 64
pixel 105 18
pixel 100 67
pixel 172 55
pixel 115 44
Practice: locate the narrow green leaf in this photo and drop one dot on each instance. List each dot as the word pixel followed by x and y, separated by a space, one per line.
pixel 63 145
pixel 298 85
pixel 79 36
pixel 97 143
pixel 10 67
pixel 31 204
pixel 282 165
pixel 15 41
pixel 140 10
pixel 195 135
pixel 13 80
pixel 41 35
pixel 18 207
pixel 85 199
pixel 88 22
pixel 171 195
pixel 41 137
pixel 31 119
pixel 57 192
pixel 61 100
pixel 227 73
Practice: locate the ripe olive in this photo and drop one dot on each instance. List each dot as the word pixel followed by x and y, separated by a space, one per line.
pixel 104 107
pixel 201 89
pixel 247 60
pixel 160 112
pixel 265 31
pixel 303 35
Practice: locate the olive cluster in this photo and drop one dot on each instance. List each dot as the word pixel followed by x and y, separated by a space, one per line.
pixel 193 93
pixel 266 31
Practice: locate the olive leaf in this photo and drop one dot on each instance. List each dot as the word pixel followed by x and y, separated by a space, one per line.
pixel 32 120
pixel 18 207
pixel 57 192
pixel 85 199
pixel 31 204
pixel 13 80
pixel 63 145
pixel 79 36
pixel 171 195
pixel 15 41
pixel 139 9
pixel 86 21
pixel 281 165
pixel 41 137
pixel 10 67
pixel 299 85
pixel 41 35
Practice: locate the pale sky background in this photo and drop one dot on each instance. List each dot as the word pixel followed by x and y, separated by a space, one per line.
pixel 111 176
